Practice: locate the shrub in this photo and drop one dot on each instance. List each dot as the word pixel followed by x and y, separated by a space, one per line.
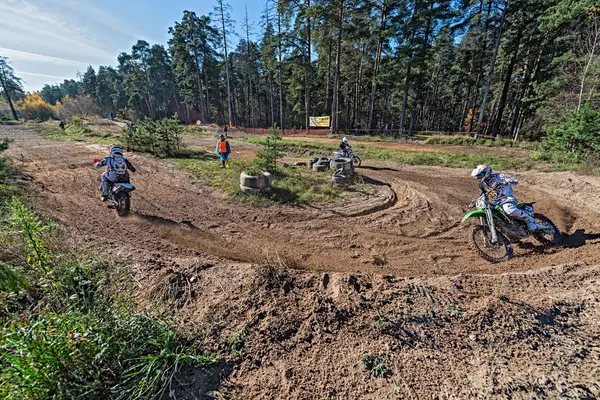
pixel 272 150
pixel 161 137
pixel 579 135
pixel 34 107
pixel 77 126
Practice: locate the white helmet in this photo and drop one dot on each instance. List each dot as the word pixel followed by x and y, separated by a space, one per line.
pixel 116 150
pixel 481 172
pixel 345 139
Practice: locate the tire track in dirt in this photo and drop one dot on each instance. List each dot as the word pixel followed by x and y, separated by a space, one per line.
pixel 411 228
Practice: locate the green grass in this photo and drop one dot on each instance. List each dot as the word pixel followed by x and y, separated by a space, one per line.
pixel 7 175
pixel 451 160
pixel 374 365
pixel 294 185
pixel 51 130
pixel 470 141
pixel 69 329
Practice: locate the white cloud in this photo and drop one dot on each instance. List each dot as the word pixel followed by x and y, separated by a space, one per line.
pixel 19 73
pixel 57 38
pixel 25 56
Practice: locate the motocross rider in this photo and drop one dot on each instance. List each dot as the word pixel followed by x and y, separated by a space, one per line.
pixel 116 170
pixel 345 148
pixel 502 185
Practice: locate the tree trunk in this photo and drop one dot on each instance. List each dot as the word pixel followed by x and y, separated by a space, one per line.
pixel 199 81
pixel 405 99
pixel 328 86
pixel 7 95
pixel 307 71
pixel 249 73
pixel 207 102
pixel 229 111
pixel 280 72
pixel 492 67
pixel 271 98
pixel 336 80
pixel 377 62
pixel 507 79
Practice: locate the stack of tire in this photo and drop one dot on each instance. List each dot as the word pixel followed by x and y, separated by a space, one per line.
pixel 255 184
pixel 344 172
pixel 320 164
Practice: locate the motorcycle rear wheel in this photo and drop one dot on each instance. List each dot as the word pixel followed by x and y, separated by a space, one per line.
pixel 495 253
pixel 123 204
pixel 546 238
pixel 356 162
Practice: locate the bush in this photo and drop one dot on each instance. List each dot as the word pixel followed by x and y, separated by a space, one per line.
pixel 34 107
pixel 162 137
pixel 579 135
pixel 77 126
pixel 82 106
pixel 272 150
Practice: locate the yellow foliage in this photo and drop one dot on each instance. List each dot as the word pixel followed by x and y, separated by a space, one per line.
pixel 34 107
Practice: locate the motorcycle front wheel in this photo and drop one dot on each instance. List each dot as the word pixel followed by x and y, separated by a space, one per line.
pixel 481 239
pixel 356 162
pixel 123 204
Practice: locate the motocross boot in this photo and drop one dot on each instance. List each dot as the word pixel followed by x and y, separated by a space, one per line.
pixel 531 225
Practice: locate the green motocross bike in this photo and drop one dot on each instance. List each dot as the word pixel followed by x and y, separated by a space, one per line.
pixel 496 231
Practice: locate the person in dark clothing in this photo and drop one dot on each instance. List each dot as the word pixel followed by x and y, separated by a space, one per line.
pixel 225 130
pixel 344 148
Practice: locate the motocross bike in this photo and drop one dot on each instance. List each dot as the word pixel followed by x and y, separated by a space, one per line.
pixel 119 195
pixel 496 230
pixel 356 161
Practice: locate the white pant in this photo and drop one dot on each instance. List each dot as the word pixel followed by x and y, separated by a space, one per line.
pixel 512 211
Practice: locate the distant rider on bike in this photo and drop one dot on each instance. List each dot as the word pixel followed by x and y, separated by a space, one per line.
pixel 345 150
pixel 116 170
pixel 501 186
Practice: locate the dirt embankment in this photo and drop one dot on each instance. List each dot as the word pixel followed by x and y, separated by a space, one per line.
pixel 391 276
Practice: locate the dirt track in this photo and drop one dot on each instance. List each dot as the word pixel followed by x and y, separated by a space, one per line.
pixel 401 254
pixel 414 227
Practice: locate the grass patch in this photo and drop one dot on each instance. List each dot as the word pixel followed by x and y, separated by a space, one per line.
pixel 75 133
pixel 451 160
pixel 69 330
pixel 374 365
pixel 470 141
pixel 7 174
pixel 294 185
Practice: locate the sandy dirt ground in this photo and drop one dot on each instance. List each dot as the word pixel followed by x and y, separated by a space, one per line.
pixel 391 275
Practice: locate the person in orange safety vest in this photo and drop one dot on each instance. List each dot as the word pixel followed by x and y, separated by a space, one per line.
pixel 223 150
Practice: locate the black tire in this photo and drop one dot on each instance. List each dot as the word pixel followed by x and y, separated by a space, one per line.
pixel 356 162
pixel 318 167
pixel 504 247
pixel 343 163
pixel 547 239
pixel 123 204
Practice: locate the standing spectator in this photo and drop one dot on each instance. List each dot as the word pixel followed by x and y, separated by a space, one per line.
pixel 385 130
pixel 223 150
pixel 357 130
pixel 225 131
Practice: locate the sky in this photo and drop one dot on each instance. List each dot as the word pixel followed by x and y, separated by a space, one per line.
pixel 48 41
